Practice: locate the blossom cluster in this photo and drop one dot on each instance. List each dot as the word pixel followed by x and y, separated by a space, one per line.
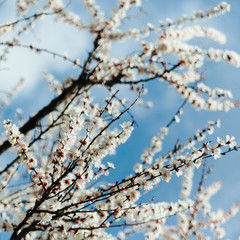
pixel 15 138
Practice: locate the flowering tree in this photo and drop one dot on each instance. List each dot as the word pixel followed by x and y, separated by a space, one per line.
pixel 61 152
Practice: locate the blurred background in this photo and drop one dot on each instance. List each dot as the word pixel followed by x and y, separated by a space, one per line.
pixel 60 38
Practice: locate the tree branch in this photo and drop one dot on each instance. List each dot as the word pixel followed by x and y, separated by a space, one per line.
pixel 33 121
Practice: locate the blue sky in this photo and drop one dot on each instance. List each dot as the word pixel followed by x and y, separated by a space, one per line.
pixel 35 94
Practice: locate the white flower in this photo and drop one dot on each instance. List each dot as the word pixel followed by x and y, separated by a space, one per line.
pixel 216 152
pixel 231 141
pixel 198 162
pixel 146 158
pixel 127 126
pixel 176 119
pixel 138 167
pixel 164 130
pixel 110 165
pixel 166 175
pixel 220 233
pixel 221 142
pixel 121 235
